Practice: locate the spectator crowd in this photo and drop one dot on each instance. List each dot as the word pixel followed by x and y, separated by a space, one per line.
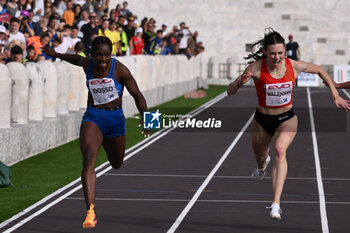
pixel 69 26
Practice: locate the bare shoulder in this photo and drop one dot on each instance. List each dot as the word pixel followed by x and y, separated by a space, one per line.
pixel 122 71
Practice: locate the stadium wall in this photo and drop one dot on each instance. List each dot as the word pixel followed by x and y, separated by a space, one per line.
pixel 42 103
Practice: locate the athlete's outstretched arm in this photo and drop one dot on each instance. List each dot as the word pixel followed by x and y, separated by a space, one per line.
pixel 241 80
pixel 300 66
pixel 344 85
pixel 71 58
pixel 130 84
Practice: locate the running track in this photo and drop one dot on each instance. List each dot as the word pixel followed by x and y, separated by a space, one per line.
pixel 198 180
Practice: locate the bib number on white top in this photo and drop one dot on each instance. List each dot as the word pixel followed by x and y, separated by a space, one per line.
pixel 278 94
pixel 102 90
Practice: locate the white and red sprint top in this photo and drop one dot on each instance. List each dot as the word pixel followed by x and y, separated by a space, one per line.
pixel 272 92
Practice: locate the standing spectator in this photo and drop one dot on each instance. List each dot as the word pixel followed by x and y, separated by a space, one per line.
pixel 84 19
pixel 16 37
pixel 38 10
pixel 121 21
pixel 124 10
pixel 68 14
pixel 114 36
pixel 164 28
pixel 89 29
pixel 100 6
pixel 148 35
pixel 172 40
pixel 103 30
pixel 192 42
pixel 118 10
pixel 112 15
pixel 123 41
pixel 129 29
pixel 292 48
pixel 12 8
pixel 136 44
pixel 186 34
pixel 144 24
pixel 77 12
pixel 88 6
pixel 155 45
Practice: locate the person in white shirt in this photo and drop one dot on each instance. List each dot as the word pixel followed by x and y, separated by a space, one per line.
pixel 84 15
pixel 38 10
pixel 186 34
pixel 16 37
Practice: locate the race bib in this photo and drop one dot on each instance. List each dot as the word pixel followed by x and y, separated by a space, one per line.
pixel 290 52
pixel 278 94
pixel 103 90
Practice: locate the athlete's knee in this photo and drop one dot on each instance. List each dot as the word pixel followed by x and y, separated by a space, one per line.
pixel 280 152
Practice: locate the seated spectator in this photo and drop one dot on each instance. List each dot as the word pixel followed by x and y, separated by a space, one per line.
pixel 136 44
pixel 66 44
pixel 12 9
pixel 16 37
pixel 3 39
pixel 79 49
pixel 26 27
pixel 45 41
pixel 38 10
pixel 31 55
pixel 3 7
pixel 68 14
pixel 16 55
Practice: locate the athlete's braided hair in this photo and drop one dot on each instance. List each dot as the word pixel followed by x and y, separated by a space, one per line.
pixel 100 40
pixel 271 37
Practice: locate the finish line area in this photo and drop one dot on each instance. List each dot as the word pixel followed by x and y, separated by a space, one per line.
pixel 199 180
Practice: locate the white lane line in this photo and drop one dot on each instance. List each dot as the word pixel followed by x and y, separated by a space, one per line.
pixel 323 211
pixel 143 144
pixel 207 180
pixel 219 177
pixel 346 93
pixel 206 200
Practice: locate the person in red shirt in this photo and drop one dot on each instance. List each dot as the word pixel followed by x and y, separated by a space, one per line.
pixel 136 44
pixel 274 78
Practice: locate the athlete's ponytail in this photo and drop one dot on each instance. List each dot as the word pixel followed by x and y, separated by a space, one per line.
pixel 271 37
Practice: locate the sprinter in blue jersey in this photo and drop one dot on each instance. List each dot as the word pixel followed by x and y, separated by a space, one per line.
pixel 103 123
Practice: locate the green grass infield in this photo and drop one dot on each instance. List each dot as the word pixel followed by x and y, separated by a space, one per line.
pixel 43 174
